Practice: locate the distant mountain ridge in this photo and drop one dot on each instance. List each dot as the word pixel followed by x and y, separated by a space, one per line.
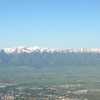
pixel 38 49
pixel 46 57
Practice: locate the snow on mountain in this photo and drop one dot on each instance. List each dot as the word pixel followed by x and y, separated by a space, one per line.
pixel 51 50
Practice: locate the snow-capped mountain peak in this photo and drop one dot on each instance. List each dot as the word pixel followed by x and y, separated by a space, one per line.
pixel 51 50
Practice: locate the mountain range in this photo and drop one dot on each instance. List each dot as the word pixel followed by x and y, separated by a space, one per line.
pixel 49 50
pixel 48 57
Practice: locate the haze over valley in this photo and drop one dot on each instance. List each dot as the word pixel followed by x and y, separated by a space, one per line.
pixel 76 70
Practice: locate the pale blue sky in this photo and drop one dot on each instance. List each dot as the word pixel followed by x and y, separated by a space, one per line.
pixel 50 23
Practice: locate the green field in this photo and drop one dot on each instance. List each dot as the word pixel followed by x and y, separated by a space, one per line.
pixel 30 76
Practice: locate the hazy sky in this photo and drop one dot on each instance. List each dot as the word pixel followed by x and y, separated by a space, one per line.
pixel 50 23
